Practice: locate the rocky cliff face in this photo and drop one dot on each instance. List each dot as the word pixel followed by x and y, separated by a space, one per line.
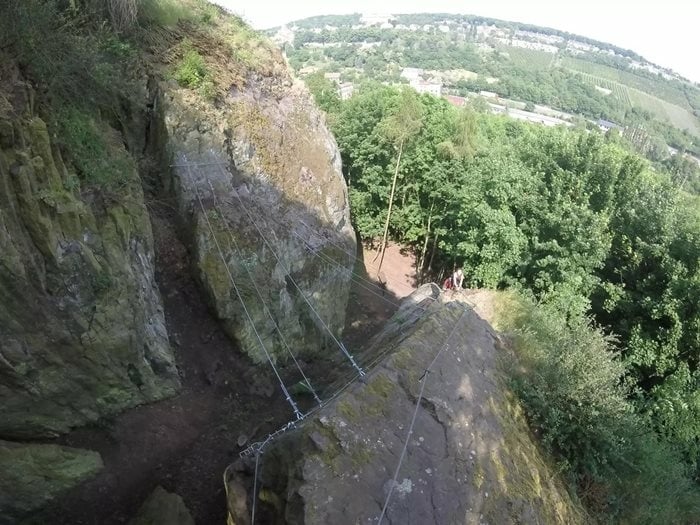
pixel 260 188
pixel 261 200
pixel 81 320
pixel 469 457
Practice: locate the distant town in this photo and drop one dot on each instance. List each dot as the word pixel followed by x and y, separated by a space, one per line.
pixel 360 34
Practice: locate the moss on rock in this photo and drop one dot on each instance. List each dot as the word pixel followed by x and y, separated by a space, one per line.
pixel 469 459
pixel 79 307
pixel 31 475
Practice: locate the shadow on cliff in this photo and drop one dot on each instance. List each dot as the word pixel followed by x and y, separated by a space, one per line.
pixel 227 401
pixel 469 456
pixel 249 219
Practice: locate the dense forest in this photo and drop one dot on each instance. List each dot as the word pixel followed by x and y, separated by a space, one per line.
pixel 577 222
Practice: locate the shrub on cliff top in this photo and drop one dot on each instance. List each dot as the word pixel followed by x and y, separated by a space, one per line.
pixel 571 385
pixel 191 72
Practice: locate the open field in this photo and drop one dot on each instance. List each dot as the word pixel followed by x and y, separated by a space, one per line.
pixel 662 109
pixel 661 89
pixel 679 117
pixel 529 58
pixel 618 90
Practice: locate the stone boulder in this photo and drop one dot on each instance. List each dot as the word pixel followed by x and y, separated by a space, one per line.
pixel 163 508
pixel 31 475
pixel 468 458
pixel 82 330
pixel 261 192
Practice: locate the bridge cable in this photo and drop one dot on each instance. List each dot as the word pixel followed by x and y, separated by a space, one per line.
pixel 289 274
pixel 257 290
pixel 353 276
pixel 341 248
pixel 330 259
pixel 357 278
pixel 288 397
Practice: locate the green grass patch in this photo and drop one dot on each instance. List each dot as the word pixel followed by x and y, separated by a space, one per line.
pixel 191 72
pixel 676 115
pixel 529 58
pixel 661 109
pixel 660 88
pixel 250 47
pixel 619 91
pixel 96 156
pixel 165 13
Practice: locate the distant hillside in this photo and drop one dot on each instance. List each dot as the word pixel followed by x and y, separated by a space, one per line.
pixel 466 54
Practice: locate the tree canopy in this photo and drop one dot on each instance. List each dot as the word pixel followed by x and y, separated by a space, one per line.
pixel 574 219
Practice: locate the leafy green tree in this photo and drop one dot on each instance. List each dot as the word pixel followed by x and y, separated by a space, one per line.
pixel 324 91
pixel 400 127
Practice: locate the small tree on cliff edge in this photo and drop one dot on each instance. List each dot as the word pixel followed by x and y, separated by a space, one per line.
pixel 400 127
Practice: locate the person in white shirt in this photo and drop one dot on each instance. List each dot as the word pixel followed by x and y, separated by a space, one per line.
pixel 457 279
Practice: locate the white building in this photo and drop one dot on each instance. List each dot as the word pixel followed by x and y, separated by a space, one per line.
pixel 375 19
pixel 283 36
pixel 346 90
pixel 411 73
pixel 533 45
pixel 433 88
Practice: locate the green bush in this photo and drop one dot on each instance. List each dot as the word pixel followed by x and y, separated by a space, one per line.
pixel 192 71
pixel 165 13
pixel 71 56
pixel 571 385
pixel 97 161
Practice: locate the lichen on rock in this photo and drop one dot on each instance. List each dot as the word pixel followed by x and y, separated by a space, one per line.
pixel 31 475
pixel 82 324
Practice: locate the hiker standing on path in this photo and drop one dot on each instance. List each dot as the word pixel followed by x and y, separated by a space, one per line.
pixel 457 279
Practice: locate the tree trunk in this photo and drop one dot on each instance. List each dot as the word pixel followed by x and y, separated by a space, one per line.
pixel 432 254
pixel 421 266
pixel 382 247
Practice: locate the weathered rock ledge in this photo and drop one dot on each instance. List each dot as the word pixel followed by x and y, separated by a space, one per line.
pixel 261 192
pixel 470 457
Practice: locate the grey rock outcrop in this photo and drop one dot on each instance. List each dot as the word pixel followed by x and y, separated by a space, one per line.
pixel 31 475
pixel 82 331
pixel 260 188
pixel 163 508
pixel 469 457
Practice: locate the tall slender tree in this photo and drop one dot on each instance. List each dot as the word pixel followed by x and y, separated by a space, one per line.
pixel 400 127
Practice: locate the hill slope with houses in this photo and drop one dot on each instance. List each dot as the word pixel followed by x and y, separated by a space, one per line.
pixel 532 73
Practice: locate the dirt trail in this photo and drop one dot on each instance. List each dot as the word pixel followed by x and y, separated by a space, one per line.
pixel 185 443
pixel 398 269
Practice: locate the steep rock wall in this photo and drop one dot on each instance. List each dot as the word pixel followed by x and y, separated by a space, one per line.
pixel 81 321
pixel 260 188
